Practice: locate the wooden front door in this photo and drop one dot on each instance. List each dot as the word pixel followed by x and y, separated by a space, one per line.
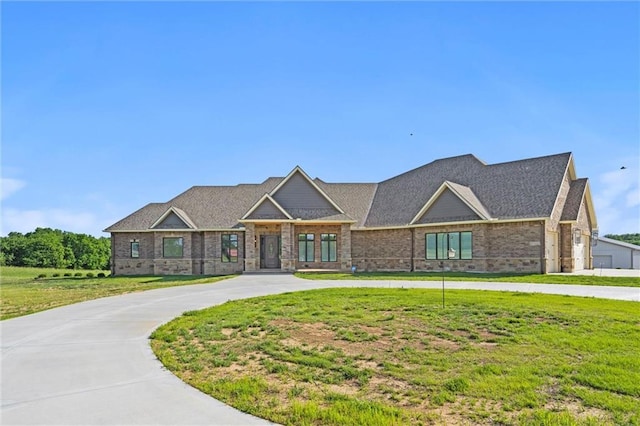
pixel 270 251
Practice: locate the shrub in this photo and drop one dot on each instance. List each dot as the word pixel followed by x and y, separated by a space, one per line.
pixel 55 275
pixel 67 274
pixel 41 276
pixel 77 274
pixel 89 274
pixel 101 275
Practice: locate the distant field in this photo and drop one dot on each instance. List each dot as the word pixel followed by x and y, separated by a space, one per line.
pixel 363 356
pixel 22 293
pixel 488 277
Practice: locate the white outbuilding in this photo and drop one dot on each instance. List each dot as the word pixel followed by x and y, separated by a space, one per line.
pixel 609 253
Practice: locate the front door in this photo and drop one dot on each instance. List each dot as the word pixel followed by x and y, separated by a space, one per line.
pixel 270 251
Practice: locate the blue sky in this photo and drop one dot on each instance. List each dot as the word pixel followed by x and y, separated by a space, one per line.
pixel 107 106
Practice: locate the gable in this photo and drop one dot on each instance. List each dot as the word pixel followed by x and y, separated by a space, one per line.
pixel 267 208
pixel 173 218
pixel 171 221
pixel 297 191
pixel 448 207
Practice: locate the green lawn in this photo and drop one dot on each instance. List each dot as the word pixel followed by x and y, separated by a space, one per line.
pixel 486 277
pixel 394 356
pixel 22 293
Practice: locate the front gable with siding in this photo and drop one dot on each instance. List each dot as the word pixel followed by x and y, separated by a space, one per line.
pixel 531 215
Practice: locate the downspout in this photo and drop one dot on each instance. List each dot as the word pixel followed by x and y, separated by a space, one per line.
pixel 543 249
pixel 202 254
pixel 113 257
pixel 413 238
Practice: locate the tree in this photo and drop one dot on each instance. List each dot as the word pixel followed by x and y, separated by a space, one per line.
pixel 46 247
pixel 12 248
pixel 627 238
pixel 88 252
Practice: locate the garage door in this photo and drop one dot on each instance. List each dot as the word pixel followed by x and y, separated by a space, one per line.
pixel 603 261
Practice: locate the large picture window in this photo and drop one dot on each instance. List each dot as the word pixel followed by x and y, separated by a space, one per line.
pixel 229 248
pixel 135 249
pixel 329 247
pixel 448 245
pixel 172 247
pixel 305 247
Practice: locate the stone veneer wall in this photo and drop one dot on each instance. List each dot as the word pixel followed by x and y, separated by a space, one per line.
pixel 503 247
pixel 172 266
pixel 381 250
pixel 287 243
pixel 251 262
pixel 202 254
pixel 497 247
pixel 515 247
pixel 317 230
pixel 212 263
pixel 477 264
pixel 121 261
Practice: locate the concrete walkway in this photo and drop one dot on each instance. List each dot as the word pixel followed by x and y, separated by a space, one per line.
pixel 91 364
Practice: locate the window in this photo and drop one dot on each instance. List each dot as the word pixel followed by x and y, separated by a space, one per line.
pixel 328 247
pixel 135 249
pixel 442 244
pixel 305 248
pixel 229 248
pixel 172 247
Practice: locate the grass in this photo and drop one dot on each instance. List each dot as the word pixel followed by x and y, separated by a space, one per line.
pixel 486 277
pixel 22 293
pixel 394 356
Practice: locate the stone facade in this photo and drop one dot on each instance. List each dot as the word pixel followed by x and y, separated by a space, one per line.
pixel 317 230
pixel 381 250
pixel 497 247
pixel 202 254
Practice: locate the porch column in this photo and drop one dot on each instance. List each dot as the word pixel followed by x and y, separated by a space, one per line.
pixel 287 259
pixel 345 247
pixel 250 261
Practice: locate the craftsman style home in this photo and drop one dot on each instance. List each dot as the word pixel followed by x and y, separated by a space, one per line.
pixel 531 215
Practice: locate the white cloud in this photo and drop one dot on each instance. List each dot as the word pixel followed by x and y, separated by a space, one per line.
pixel 617 200
pixel 633 198
pixel 15 220
pixel 9 186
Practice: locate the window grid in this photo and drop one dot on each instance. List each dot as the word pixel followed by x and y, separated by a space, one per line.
pixel 306 251
pixel 329 247
pixel 173 247
pixel 439 245
pixel 229 253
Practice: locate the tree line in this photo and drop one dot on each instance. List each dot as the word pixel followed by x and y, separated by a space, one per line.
pixel 627 238
pixel 53 248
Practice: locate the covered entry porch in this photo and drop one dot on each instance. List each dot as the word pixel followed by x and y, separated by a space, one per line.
pixel 288 246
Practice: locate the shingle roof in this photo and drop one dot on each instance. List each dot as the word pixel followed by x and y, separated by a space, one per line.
pixel 574 199
pixel 208 207
pixel 518 189
pixel 354 198
pixel 141 219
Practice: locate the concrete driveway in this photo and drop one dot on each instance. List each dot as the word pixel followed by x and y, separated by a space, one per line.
pixel 91 364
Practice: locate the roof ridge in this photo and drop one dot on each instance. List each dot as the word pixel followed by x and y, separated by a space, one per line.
pixel 522 160
pixel 437 161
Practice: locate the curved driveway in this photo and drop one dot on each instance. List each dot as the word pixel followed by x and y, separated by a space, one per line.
pixel 91 364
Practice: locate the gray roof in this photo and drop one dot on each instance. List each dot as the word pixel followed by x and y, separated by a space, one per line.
pixel 518 189
pixel 574 199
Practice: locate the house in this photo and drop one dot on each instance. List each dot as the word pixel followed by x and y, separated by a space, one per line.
pixel 609 253
pixel 531 215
